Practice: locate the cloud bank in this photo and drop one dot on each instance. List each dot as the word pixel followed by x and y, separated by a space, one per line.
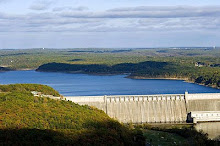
pixel 150 12
pixel 41 5
pixel 119 19
pixel 133 20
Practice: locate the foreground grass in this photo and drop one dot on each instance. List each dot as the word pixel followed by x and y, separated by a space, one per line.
pixel 175 134
pixel 164 138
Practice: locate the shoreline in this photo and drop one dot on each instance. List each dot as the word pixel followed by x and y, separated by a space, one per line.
pixel 25 69
pixel 159 78
pixel 167 78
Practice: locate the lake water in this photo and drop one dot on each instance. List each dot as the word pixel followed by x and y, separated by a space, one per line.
pixel 85 85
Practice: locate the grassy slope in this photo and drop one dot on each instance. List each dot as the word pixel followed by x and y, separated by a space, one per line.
pixel 25 119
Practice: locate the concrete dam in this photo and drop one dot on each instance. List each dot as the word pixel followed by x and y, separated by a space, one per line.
pixel 166 108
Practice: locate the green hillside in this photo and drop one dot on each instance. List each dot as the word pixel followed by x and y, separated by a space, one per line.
pixel 29 120
pixel 28 88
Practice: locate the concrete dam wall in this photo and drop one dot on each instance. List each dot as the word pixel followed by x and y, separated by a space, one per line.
pixel 203 102
pixel 167 108
pixel 148 109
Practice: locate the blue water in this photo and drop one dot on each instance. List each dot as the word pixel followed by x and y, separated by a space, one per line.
pixel 84 85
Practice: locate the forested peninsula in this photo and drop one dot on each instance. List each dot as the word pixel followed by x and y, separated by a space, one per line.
pixel 142 70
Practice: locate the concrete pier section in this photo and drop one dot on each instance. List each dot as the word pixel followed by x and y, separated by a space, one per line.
pixel 165 108
pixel 204 116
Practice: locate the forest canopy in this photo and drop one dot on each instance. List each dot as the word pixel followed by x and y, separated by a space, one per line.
pixel 29 120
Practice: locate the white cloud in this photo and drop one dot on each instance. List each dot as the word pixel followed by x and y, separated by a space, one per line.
pixel 129 25
pixel 41 5
pixel 67 8
pixel 137 19
pixel 150 12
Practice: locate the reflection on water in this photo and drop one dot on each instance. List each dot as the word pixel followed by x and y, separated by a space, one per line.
pixel 212 128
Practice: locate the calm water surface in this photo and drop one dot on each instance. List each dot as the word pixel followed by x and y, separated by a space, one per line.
pixel 84 85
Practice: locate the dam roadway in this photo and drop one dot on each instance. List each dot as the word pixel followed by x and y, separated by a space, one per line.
pixel 164 108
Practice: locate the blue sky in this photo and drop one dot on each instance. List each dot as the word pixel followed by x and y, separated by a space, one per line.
pixel 110 24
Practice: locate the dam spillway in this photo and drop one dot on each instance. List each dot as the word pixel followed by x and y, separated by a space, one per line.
pixel 164 108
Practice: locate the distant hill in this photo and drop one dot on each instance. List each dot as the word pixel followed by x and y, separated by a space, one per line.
pixel 148 66
pixel 29 120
